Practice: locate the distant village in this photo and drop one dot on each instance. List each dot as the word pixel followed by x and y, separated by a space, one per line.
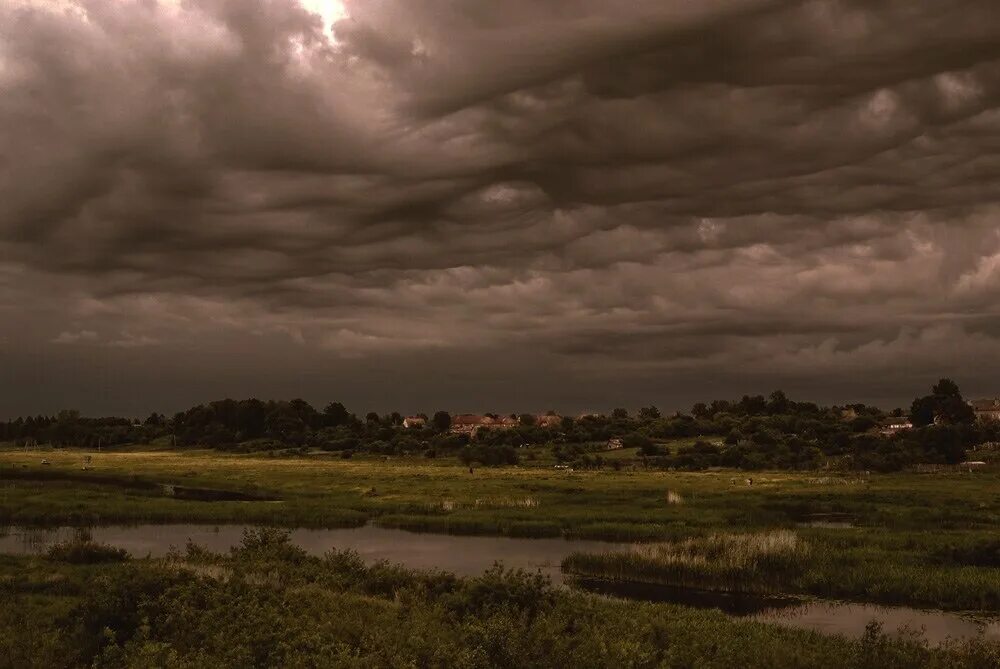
pixel 986 410
pixel 469 423
pixel 753 432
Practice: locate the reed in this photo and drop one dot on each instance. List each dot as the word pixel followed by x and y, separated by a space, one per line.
pixel 452 524
pixel 761 561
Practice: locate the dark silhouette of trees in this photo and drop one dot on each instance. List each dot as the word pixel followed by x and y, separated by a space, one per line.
pixel 335 415
pixel 944 405
pixel 441 421
pixel 649 413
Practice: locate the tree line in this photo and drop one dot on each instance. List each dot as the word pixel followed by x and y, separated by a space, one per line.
pixel 754 432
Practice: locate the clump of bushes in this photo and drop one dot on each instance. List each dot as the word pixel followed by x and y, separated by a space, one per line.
pixel 81 549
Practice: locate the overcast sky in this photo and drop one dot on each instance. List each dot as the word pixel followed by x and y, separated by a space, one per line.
pixel 481 205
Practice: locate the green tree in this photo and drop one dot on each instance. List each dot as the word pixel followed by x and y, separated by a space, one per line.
pixel 945 404
pixel 335 415
pixel 441 421
pixel 649 413
pixel 778 403
pixel 701 410
pixel 922 411
pixel 946 388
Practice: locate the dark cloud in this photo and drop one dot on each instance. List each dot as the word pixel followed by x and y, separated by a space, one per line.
pixel 518 203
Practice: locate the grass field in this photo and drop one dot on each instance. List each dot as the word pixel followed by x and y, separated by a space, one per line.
pixel 911 530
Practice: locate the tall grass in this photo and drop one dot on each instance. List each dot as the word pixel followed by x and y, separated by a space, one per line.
pixel 781 561
pixel 762 561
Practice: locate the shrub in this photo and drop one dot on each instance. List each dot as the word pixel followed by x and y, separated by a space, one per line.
pixel 82 550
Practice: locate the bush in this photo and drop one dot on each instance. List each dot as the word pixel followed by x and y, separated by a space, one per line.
pixel 82 550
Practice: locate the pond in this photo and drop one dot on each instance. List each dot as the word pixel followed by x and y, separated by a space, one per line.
pixel 471 555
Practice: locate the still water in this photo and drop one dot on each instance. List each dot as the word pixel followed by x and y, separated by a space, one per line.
pixel 827 617
pixel 462 555
pixel 469 556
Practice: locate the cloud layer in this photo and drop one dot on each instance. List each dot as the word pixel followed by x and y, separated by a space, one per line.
pixel 603 204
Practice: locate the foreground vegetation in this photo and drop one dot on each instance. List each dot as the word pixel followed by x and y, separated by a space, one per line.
pixel 301 611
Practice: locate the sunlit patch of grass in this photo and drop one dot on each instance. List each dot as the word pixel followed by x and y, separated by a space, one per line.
pixel 758 561
pixel 506 503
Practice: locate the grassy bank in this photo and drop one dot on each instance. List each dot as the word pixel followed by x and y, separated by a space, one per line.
pixel 785 562
pixel 318 490
pixel 300 611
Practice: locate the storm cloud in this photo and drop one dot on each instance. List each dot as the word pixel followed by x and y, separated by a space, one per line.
pixel 484 205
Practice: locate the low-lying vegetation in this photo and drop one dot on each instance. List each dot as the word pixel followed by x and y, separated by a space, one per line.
pixel 81 549
pixel 783 562
pixel 762 562
pixel 300 611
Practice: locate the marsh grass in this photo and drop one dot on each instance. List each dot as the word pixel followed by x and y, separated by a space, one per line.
pixel 854 568
pixel 506 503
pixel 449 505
pixel 454 524
pixel 898 553
pixel 629 532
pixel 759 562
pixel 82 549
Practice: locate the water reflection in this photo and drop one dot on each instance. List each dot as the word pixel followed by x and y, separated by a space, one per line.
pixel 821 616
pixel 851 619
pixel 733 603
pixel 462 555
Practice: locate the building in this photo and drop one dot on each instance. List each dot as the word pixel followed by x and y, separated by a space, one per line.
pixel 615 443
pixel 894 424
pixel 986 410
pixel 469 423
pixel 548 420
pixel 414 421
